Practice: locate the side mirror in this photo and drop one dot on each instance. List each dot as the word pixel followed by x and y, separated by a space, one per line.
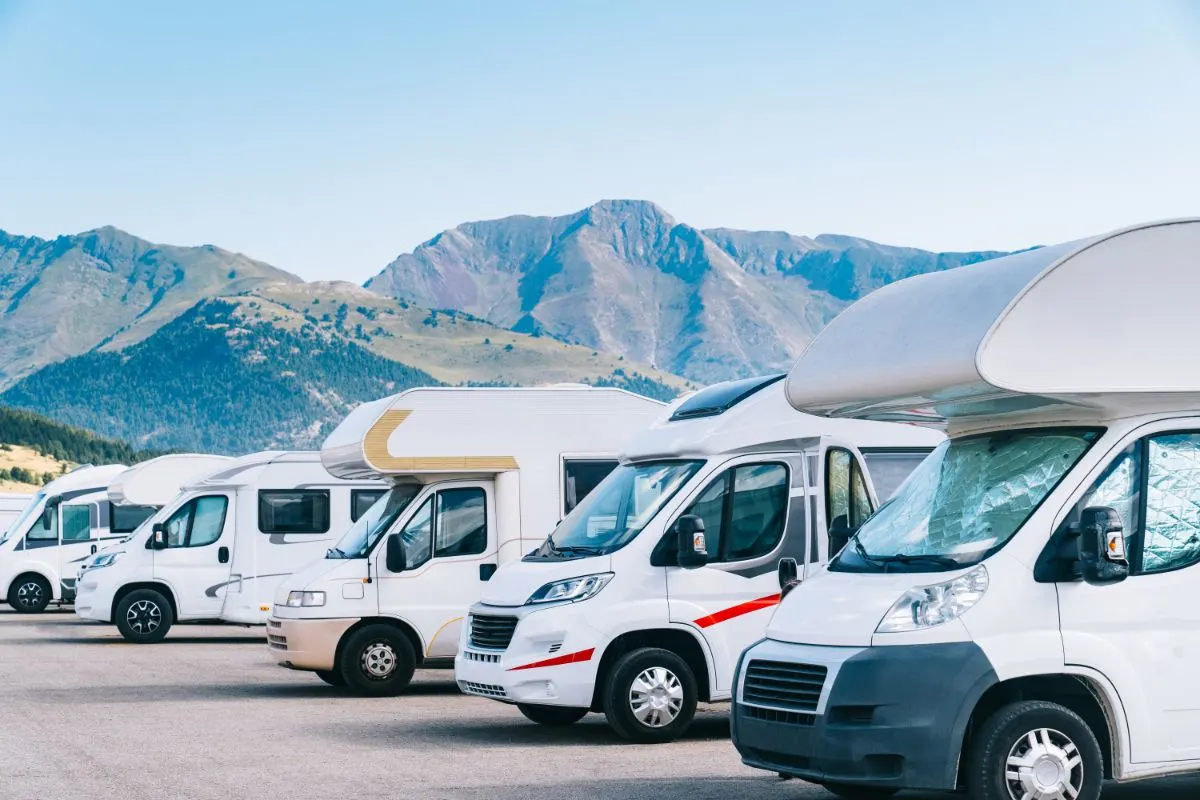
pixel 1102 546
pixel 789 575
pixel 689 533
pixel 158 541
pixel 396 559
pixel 839 534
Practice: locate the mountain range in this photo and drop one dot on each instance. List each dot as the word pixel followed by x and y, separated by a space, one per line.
pixel 203 348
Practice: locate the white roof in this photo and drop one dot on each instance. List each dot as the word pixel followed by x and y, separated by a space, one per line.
pixel 439 431
pixel 157 481
pixel 762 420
pixel 85 478
pixel 1103 326
pixel 285 468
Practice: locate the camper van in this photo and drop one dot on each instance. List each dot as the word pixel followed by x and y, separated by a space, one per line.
pixel 40 552
pixel 640 601
pixel 1022 619
pixel 220 548
pixel 11 506
pixel 478 476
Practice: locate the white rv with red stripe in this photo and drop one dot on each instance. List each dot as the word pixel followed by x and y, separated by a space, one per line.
pixel 640 601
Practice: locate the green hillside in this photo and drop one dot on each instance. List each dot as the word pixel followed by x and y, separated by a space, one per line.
pixel 63 443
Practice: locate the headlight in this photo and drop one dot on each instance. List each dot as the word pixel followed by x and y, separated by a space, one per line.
pixel 927 606
pixel 103 560
pixel 298 599
pixel 572 589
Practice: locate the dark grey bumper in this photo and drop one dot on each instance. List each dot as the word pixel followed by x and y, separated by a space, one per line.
pixel 889 717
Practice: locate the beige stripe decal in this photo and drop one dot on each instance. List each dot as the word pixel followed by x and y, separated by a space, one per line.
pixel 375 450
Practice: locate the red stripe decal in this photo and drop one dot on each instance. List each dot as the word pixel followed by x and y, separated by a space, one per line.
pixel 558 661
pixel 737 611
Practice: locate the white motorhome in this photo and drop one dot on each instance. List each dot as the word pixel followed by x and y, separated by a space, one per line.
pixel 11 506
pixel 640 601
pixel 40 552
pixel 1022 620
pixel 478 478
pixel 222 546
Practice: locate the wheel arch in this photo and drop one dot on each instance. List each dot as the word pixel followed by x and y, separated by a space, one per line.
pixel 410 632
pixel 157 586
pixel 26 573
pixel 681 641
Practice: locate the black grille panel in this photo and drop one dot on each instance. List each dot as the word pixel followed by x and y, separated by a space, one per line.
pixel 494 633
pixel 777 715
pixel 781 684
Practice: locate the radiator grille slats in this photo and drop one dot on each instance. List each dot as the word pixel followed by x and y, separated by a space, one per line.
pixel 780 684
pixel 492 633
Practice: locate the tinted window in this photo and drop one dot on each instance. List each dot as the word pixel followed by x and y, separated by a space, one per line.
pixel 361 501
pixel 461 522
pixel 720 398
pixel 846 492
pixel 76 523
pixel 744 511
pixel 580 477
pixel 298 511
pixel 417 534
pixel 889 469
pixel 45 527
pixel 125 519
pixel 198 522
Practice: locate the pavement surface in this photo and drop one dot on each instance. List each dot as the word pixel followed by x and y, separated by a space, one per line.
pixel 205 714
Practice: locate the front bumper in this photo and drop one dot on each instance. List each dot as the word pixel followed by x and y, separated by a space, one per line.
pixel 308 644
pixel 94 595
pixel 552 659
pixel 890 717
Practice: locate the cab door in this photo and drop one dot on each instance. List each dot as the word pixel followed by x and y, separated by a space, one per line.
pixel 195 561
pixel 1143 634
pixel 450 543
pixel 755 512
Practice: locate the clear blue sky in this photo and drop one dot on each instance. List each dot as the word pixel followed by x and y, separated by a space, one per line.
pixel 326 138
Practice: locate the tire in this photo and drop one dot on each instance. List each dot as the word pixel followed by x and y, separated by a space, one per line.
pixel 144 616
pixel 847 792
pixel 1015 736
pixel 377 661
pixel 30 594
pixel 650 696
pixel 552 716
pixel 332 677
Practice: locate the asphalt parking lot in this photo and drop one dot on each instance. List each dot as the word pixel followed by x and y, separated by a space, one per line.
pixel 206 715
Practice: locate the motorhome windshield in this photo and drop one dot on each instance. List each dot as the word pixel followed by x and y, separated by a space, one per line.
pixel 616 510
pixel 32 509
pixel 372 525
pixel 965 501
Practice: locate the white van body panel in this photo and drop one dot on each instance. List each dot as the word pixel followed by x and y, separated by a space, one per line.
pixel 11 506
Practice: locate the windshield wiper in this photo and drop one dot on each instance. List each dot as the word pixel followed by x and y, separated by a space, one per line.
pixel 580 549
pixel 864 555
pixel 905 558
pixel 335 552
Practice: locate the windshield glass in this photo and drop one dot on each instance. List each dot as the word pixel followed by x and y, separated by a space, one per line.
pixel 617 509
pixel 33 508
pixel 359 540
pixel 965 501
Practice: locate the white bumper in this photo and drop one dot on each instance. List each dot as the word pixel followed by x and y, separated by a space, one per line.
pixel 94 595
pixel 552 658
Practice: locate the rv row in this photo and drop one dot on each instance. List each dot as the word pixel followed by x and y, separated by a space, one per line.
pixel 957 547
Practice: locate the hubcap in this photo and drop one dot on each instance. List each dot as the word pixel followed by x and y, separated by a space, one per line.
pixel 30 595
pixel 379 660
pixel 144 617
pixel 656 697
pixel 1044 765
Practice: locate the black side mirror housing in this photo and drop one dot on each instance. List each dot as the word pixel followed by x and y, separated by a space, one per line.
pixel 839 534
pixel 1102 557
pixel 689 534
pixel 158 538
pixel 395 558
pixel 789 575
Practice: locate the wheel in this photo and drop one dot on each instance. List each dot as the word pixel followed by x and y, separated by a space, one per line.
pixel 30 594
pixel 553 716
pixel 650 696
pixel 144 616
pixel 332 677
pixel 377 661
pixel 1034 750
pixel 859 792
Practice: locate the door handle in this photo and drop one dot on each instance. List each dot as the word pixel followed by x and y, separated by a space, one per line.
pixel 486 571
pixel 223 554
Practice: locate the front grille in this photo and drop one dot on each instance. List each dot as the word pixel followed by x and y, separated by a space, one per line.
pixel 483 689
pixel 781 684
pixel 492 633
pixel 487 658
pixel 778 715
pixel 276 642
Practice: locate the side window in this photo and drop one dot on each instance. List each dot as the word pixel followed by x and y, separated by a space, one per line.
pixel 361 501
pixel 125 519
pixel 76 523
pixel 581 476
pixel 417 534
pixel 461 522
pixel 177 526
pixel 298 511
pixel 208 520
pixel 45 527
pixel 744 511
pixel 846 492
pixel 890 468
pixel 1119 488
pixel 1171 536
